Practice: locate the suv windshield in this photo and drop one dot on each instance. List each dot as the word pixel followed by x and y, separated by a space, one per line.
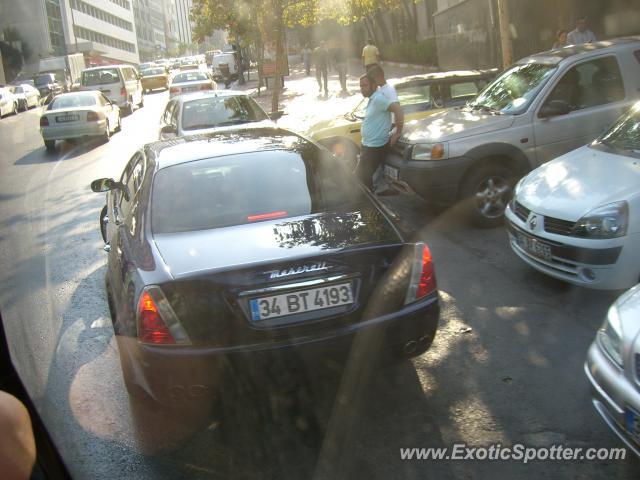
pixel 99 77
pixel 246 188
pixel 219 111
pixel 514 90
pixel 625 133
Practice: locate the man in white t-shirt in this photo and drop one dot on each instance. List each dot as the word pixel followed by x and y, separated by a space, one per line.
pixel 581 34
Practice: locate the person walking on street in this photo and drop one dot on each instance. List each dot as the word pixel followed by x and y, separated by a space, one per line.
pixel 561 39
pixel 581 34
pixel 370 55
pixel 376 129
pixel 341 67
pixel 306 58
pixel 321 61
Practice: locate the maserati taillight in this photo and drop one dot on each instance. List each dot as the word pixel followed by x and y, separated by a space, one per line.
pixel 157 322
pixel 423 278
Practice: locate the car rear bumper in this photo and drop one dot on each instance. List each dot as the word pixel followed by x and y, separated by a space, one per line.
pixel 178 375
pixel 612 394
pixel 66 132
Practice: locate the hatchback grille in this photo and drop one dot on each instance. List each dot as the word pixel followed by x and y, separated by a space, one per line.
pixel 522 212
pixel 558 226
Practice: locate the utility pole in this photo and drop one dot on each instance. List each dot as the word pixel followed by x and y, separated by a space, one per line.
pixel 505 32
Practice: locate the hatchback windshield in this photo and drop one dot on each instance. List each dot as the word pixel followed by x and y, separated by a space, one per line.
pixel 99 77
pixel 189 77
pixel 153 71
pixel 625 133
pixel 219 111
pixel 514 90
pixel 246 188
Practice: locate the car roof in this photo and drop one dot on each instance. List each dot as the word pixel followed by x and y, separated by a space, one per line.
pixel 218 144
pixel 211 93
pixel 450 75
pixel 557 55
pixel 78 93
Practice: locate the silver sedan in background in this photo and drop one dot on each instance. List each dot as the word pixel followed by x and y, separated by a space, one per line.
pixel 191 81
pixel 205 112
pixel 613 368
pixel 77 115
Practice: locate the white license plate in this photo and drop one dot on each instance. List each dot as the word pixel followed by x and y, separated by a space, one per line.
pixel 632 423
pixel 189 89
pixel 67 118
pixel 534 246
pixel 301 301
pixel 391 172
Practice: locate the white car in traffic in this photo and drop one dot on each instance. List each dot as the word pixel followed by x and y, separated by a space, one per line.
pixel 77 115
pixel 191 81
pixel 8 102
pixel 577 218
pixel 26 95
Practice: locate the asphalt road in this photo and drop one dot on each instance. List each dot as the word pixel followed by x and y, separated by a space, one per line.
pixel 505 367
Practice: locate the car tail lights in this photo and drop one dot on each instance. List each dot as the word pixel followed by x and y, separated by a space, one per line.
pixel 174 90
pixel 206 86
pixel 44 121
pixel 123 92
pixel 267 216
pixel 92 117
pixel 157 322
pixel 423 278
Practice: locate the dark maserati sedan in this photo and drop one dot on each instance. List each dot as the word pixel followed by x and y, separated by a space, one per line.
pixel 252 241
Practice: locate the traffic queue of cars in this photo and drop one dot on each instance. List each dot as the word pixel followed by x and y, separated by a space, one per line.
pixel 235 236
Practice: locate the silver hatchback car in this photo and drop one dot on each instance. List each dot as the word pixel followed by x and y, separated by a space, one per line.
pixel 613 368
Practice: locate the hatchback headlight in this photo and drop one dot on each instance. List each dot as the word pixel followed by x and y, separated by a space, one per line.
pixel 610 335
pixel 608 221
pixel 430 151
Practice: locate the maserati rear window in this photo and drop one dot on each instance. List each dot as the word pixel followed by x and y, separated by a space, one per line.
pixel 247 188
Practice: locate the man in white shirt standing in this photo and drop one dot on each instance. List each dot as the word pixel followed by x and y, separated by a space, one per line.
pixel 581 34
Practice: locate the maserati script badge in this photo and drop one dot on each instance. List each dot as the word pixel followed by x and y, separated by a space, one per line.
pixel 287 272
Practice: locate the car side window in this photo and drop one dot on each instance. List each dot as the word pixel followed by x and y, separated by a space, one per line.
pixel 415 98
pixel 590 84
pixel 132 178
pixel 461 92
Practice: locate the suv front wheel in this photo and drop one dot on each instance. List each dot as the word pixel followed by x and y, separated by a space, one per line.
pixel 487 191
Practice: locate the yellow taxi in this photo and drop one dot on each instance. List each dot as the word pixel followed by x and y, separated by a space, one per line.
pixel 420 96
pixel 154 77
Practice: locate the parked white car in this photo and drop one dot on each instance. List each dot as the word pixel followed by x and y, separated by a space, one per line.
pixel 577 218
pixel 77 115
pixel 613 369
pixel 8 102
pixel 26 95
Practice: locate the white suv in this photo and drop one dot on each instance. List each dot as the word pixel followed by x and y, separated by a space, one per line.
pixel 542 107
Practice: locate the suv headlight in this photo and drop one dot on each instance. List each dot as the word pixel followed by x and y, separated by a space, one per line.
pixel 608 221
pixel 610 335
pixel 430 151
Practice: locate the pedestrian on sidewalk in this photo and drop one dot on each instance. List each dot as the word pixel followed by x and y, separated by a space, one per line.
pixel 581 34
pixel 376 129
pixel 340 59
pixel 306 58
pixel 321 61
pixel 370 55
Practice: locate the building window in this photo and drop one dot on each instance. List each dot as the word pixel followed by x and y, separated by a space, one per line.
pixel 97 37
pixel 94 12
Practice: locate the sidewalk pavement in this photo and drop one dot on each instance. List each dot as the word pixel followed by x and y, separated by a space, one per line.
pixel 301 100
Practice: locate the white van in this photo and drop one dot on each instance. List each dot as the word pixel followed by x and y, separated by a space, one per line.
pixel 120 83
